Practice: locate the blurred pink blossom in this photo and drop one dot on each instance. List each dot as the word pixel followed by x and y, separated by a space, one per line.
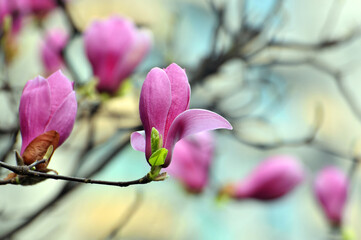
pixel 163 105
pixel 273 178
pixel 331 190
pixel 51 49
pixel 192 158
pixel 114 48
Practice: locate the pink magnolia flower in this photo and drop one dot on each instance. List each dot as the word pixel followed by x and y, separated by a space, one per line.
pixel 192 157
pixel 114 48
pixel 163 105
pixel 47 113
pixel 331 190
pixel 51 49
pixel 273 178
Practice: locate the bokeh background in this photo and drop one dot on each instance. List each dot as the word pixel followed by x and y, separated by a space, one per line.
pixel 289 86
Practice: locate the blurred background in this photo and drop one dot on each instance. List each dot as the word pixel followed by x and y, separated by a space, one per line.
pixel 284 73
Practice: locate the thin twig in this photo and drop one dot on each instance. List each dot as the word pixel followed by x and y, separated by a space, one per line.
pixel 322 45
pixel 26 171
pixel 290 142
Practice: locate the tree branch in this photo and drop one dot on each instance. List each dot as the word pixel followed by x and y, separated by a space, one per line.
pixel 23 171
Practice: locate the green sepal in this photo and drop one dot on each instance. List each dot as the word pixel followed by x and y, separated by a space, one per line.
pixel 7 24
pixel 125 88
pixel 158 157
pixel 222 199
pixel 155 140
pixel 88 90
pixel 154 172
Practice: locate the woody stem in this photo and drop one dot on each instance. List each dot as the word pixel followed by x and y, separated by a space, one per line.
pixel 26 171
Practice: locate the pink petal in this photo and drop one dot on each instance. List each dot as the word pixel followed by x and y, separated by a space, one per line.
pixel 60 87
pixel 186 168
pixel 117 36
pixel 135 55
pixel 51 48
pixel 63 119
pixel 191 161
pixel 331 188
pixel 272 179
pixel 34 110
pixel 180 93
pixel 92 48
pixel 191 122
pixel 137 140
pixel 155 100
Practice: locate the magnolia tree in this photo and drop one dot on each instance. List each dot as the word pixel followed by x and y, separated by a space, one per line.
pixel 177 141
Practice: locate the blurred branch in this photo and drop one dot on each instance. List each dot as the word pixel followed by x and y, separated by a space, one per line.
pixel 336 75
pixel 63 6
pixel 10 131
pixel 248 36
pixel 324 44
pixel 128 216
pixel 7 150
pixel 290 142
pixel 73 34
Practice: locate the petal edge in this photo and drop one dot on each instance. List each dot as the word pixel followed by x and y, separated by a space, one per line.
pixel 137 140
pixel 191 122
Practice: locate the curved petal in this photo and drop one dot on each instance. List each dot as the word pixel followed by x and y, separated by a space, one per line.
pixel 60 87
pixel 190 122
pixel 34 110
pixel 137 140
pixel 91 43
pixel 180 93
pixel 190 164
pixel 135 55
pixel 51 48
pixel 155 100
pixel 63 119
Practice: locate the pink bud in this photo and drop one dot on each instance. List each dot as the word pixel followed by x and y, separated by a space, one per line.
pixel 47 105
pixel 331 189
pixel 114 48
pixel 192 157
pixel 52 48
pixel 272 179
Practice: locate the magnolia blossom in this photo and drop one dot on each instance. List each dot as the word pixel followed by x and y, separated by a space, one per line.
pixel 114 48
pixel 192 157
pixel 331 190
pixel 273 178
pixel 51 49
pixel 47 114
pixel 163 105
